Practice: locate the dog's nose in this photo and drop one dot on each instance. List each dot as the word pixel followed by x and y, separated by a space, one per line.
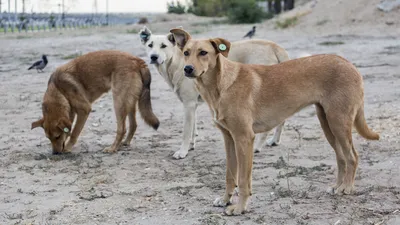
pixel 188 69
pixel 56 153
pixel 154 57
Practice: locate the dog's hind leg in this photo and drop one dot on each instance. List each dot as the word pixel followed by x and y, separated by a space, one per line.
pixel 121 111
pixel 188 127
pixel 340 122
pixel 276 139
pixel 341 129
pixel 132 127
pixel 340 160
pixel 231 169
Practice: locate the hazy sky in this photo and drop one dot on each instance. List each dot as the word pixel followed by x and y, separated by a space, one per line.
pixel 88 5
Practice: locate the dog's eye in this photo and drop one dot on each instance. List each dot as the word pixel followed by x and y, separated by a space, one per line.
pixel 186 53
pixel 150 45
pixel 203 53
pixel 163 46
pixel 58 137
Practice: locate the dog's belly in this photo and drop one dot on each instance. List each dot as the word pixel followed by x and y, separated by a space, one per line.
pixel 269 117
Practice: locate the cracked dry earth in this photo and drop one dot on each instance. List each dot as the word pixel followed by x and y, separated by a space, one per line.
pixel 142 184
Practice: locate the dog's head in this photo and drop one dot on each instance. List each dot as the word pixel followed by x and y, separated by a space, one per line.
pixel 159 48
pixel 200 55
pixel 56 128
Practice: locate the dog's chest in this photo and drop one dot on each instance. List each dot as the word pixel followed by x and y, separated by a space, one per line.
pixel 164 73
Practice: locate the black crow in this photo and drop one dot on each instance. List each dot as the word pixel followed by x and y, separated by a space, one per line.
pixel 251 33
pixel 40 65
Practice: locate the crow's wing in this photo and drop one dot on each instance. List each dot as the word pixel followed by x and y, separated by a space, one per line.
pixel 35 64
pixel 248 34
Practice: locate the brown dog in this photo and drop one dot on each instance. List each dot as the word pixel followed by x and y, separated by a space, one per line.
pixel 247 99
pixel 73 87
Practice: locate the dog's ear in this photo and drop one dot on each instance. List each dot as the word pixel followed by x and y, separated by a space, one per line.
pixel 181 37
pixel 171 39
pixel 221 46
pixel 38 123
pixel 171 36
pixel 144 34
pixel 64 125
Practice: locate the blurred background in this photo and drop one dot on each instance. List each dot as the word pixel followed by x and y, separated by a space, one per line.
pixel 143 184
pixel 42 15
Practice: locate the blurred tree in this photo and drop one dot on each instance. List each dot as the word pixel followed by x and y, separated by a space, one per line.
pixel 238 11
pixel 175 7
pixel 245 11
pixel 270 6
pixel 277 6
pixel 289 4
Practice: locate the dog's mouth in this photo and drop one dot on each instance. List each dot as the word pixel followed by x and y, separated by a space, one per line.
pixel 155 62
pixel 192 76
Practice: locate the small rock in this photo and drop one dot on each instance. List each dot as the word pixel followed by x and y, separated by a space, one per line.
pixel 389 22
pixel 388 5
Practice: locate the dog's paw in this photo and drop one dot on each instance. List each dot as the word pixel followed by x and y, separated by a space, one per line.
pixel 220 202
pixel 272 142
pixel 126 143
pixel 343 189
pixel 68 146
pixel 180 154
pixel 109 150
pixel 191 146
pixel 234 210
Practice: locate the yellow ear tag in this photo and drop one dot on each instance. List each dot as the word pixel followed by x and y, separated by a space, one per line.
pixel 66 130
pixel 222 47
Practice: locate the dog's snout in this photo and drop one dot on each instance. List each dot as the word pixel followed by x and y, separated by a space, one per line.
pixel 188 69
pixel 154 57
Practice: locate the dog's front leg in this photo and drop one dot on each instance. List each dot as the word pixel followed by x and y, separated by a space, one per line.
pixel 244 153
pixel 188 128
pixel 261 139
pixel 276 139
pixel 82 116
pixel 231 170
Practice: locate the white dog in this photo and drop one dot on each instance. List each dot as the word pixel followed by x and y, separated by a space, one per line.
pixel 169 62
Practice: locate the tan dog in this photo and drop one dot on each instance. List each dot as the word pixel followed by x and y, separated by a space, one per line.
pixel 169 62
pixel 247 99
pixel 73 87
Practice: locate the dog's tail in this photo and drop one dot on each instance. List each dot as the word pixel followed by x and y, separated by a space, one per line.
pixel 281 54
pixel 145 108
pixel 362 127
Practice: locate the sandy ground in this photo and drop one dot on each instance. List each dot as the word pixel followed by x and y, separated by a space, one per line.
pixel 142 184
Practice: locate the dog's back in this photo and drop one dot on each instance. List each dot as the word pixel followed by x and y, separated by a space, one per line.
pixel 257 52
pixel 95 70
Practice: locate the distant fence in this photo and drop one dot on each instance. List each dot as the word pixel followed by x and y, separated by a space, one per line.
pixel 35 26
pixel 42 23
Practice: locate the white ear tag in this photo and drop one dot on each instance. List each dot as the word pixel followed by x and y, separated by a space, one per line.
pixel 222 47
pixel 66 130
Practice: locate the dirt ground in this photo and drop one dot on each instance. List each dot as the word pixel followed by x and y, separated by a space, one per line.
pixel 142 184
